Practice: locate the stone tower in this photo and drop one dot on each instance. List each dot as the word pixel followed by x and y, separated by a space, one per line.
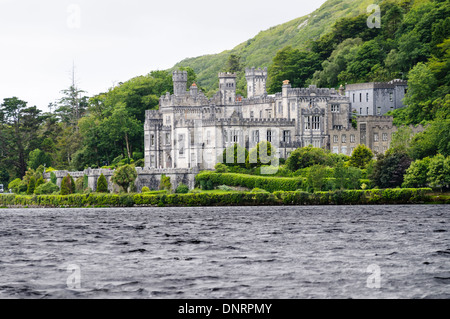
pixel 227 87
pixel 256 82
pixel 180 83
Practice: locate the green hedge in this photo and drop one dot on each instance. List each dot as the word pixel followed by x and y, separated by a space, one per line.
pixel 268 183
pixel 348 197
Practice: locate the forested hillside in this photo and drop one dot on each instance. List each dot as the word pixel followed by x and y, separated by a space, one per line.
pixel 330 47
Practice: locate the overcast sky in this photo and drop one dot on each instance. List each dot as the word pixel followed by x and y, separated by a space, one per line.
pixel 111 41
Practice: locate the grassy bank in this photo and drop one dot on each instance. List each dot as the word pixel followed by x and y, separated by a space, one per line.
pixel 350 197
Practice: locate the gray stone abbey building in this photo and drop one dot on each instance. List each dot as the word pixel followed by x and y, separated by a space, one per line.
pixel 191 131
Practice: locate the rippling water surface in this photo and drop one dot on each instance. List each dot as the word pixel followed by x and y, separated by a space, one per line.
pixel 234 252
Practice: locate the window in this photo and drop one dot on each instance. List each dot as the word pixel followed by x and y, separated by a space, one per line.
pixel 391 97
pixel 353 98
pixel 376 137
pixel 269 114
pixel 352 149
pixel 336 150
pixel 269 136
pixel 208 137
pixel 337 127
pixel 225 136
pixel 367 111
pixel 335 108
pixel 316 123
pixel 335 139
pixel 344 150
pixel 152 161
pixel 152 140
pixel 235 136
pixel 286 136
pixel 367 97
pixel 352 138
pixel 379 110
pixel 344 138
pixel 385 149
pixel 260 114
pixel 255 136
pixel 360 97
pixel 293 106
pixel 360 111
pixel 252 115
pixel 385 137
pixel 181 142
pixel 307 123
pixel 317 144
pixel 376 149
pixel 168 139
pixel 280 108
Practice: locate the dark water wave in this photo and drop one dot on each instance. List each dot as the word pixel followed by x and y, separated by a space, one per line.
pixel 248 252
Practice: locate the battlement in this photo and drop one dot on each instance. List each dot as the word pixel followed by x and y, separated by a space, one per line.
pixel 374 118
pixel 252 72
pixel 227 75
pixel 153 115
pixel 180 76
pixel 376 85
pixel 314 91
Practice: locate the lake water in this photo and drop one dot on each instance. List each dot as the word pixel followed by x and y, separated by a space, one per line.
pixel 231 252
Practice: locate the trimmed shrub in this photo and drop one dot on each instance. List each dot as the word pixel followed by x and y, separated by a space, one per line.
pixel 145 189
pixel 182 189
pixel 46 189
pixel 68 186
pixel 102 184
pixel 124 176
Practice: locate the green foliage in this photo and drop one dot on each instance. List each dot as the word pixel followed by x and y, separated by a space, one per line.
pixel 389 169
pixel 263 153
pixel 293 65
pixel 361 156
pixel 46 189
pixel 31 186
pixel 102 184
pixel 439 172
pixel 53 178
pixel 270 184
pixel 259 197
pixel 124 176
pixel 68 186
pixel 417 174
pixel 221 168
pixel 235 155
pixel 145 189
pixel 225 188
pixel 435 140
pixel 316 177
pixel 14 185
pixel 308 157
pixel 165 183
pixel 182 189
pixel 38 158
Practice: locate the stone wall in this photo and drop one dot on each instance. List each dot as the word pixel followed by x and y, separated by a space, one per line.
pixel 146 177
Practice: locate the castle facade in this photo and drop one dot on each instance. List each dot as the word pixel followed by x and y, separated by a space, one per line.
pixel 191 131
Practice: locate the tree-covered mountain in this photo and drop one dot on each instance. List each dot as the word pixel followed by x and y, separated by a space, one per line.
pixel 260 50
